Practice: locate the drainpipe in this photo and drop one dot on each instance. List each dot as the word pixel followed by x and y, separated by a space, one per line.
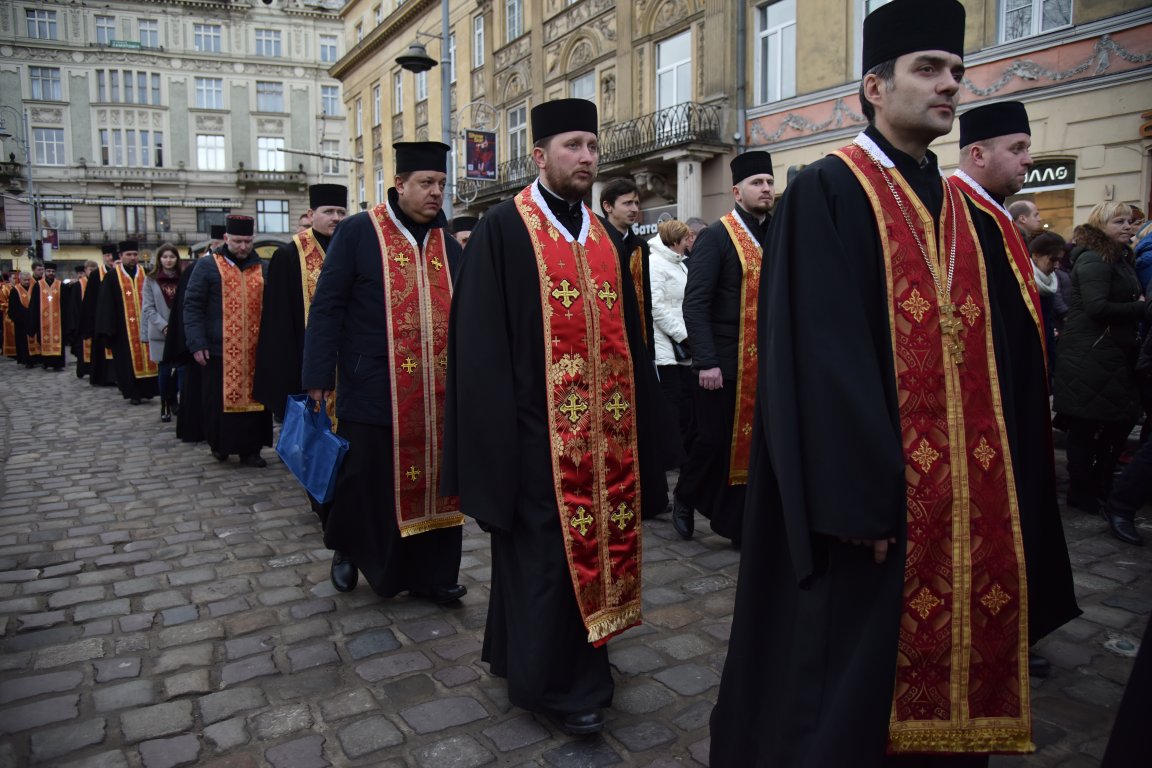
pixel 741 75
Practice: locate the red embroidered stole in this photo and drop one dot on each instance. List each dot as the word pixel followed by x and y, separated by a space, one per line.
pixel 51 327
pixel 131 289
pixel 25 295
pixel 311 260
pixel 751 254
pixel 86 344
pixel 962 661
pixel 639 284
pixel 1014 246
pixel 9 326
pixel 417 297
pixel 591 417
pixel 241 299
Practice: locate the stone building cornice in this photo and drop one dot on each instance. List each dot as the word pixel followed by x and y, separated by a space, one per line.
pixel 397 22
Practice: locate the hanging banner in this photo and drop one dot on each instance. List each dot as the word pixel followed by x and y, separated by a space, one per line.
pixel 480 155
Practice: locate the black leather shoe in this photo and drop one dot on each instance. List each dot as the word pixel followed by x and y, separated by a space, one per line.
pixel 343 573
pixel 1038 666
pixel 440 595
pixel 1122 527
pixel 683 518
pixel 583 723
pixel 219 456
pixel 253 460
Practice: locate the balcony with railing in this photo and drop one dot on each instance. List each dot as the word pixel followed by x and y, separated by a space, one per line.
pixel 284 180
pixel 12 177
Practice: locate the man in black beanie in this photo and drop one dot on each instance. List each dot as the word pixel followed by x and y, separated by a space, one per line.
pixel 881 611
pixel 462 227
pixel 552 423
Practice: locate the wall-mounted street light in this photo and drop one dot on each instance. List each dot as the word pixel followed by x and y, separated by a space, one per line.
pixel 25 143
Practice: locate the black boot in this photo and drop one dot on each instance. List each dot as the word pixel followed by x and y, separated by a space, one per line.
pixel 683 518
pixel 165 412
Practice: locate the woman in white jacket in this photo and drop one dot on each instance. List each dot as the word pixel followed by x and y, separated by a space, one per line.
pixel 669 273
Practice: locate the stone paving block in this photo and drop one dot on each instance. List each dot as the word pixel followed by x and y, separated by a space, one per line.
pixel 423 631
pixel 281 596
pixel 20 605
pixel 196 681
pixel 1115 618
pixel 191 633
pixel 1067 655
pixel 347 704
pixel 251 621
pixel 683 647
pixel 137 622
pixel 370 643
pixel 126 644
pixel 313 656
pixel 279 578
pixel 60 655
pixel 636 660
pixel 35 714
pixel 227 734
pixel 644 736
pixel 358 622
pixel 111 759
pixel 138 586
pixel 452 677
pixel 158 601
pixel 282 721
pixel 179 615
pixel 642 697
pixel 688 679
pixel 313 607
pixel 132 694
pixel 307 752
pixel 583 753
pixel 102 576
pixel 122 558
pixel 102 610
pixel 57 742
pixel 448 712
pixel 27 687
pixel 392 666
pixel 156 721
pixel 98 628
pixel 369 735
pixel 246 646
pixel 296 632
pixel 247 669
pixel 220 590
pixel 167 753
pixel 694 716
pixel 151 568
pixel 188 656
pixel 457 649
pixel 517 733
pixel 25 575
pixel 226 607
pixel 453 752
pixel 220 706
pixel 42 620
pixel 700 749
pixel 40 586
pixel 191 576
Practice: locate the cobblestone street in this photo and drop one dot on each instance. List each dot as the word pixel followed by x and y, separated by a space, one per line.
pixel 158 609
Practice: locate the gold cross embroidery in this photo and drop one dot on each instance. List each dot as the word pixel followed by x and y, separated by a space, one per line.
pixel 970 311
pixel 582 521
pixel 915 305
pixel 622 516
pixel 400 259
pixel 607 295
pixel 616 406
pixel 566 294
pixel 951 325
pixel 413 473
pixel 573 408
pixel 437 263
pixel 410 365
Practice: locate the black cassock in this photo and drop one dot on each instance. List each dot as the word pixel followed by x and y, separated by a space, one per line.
pixel 809 676
pixel 18 314
pixel 190 414
pixel 75 302
pixel 49 361
pixel 497 459
pixel 1028 419
pixel 280 353
pixel 110 326
pixel 100 371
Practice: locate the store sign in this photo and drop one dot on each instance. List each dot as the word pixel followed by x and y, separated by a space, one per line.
pixel 131 45
pixel 651 217
pixel 480 155
pixel 1050 174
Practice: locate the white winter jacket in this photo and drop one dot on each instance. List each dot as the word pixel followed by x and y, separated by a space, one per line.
pixel 667 276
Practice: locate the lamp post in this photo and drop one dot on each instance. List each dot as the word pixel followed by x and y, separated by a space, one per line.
pixel 416 59
pixel 24 142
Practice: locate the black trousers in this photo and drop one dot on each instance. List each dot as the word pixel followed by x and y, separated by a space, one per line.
pixel 677 383
pixel 1133 489
pixel 703 483
pixel 1093 449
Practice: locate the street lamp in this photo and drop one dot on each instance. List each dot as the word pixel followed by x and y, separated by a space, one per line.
pixel 6 134
pixel 416 59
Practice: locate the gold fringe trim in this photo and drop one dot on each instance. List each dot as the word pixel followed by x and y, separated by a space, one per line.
pixel 929 739
pixel 607 623
pixel 431 524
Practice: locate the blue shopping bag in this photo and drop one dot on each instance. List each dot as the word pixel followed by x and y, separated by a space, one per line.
pixel 309 447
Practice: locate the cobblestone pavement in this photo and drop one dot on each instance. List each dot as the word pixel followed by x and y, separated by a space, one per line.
pixel 160 609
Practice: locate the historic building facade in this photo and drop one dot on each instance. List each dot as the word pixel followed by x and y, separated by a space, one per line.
pixel 153 120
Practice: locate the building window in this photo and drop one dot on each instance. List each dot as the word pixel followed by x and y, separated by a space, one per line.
pixel 421 86
pixel 1024 18
pixel 149 33
pixel 49 145
pixel 359 118
pixel 155 88
pixel 397 93
pixel 210 152
pixel 674 71
pixel 330 99
pixel 330 148
pixel 45 83
pixel 41 24
pixel 163 219
pixel 57 215
pixel 361 195
pixel 378 14
pixel 517 132
pixel 452 57
pixel 477 42
pixel 270 153
pixel 139 87
pixel 513 19
pixel 206 218
pixel 328 48
pixel 271 215
pixel 206 37
pixel 105 29
pixel 775 51
pixel 379 185
pixel 377 105
pixel 359 32
pixel 269 97
pixel 135 218
pixel 583 87
pixel 209 92
pixel 268 43
pixel 109 218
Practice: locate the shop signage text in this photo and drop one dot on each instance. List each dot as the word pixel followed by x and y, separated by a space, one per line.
pixel 1051 173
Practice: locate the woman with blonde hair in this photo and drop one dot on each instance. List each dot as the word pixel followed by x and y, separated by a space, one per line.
pixel 1095 383
pixel 156 305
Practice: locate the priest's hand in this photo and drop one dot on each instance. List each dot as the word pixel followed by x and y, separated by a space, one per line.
pixel 201 356
pixel 879 547
pixel 711 378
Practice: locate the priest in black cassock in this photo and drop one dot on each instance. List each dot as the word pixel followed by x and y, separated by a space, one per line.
pixel 288 289
pixel 221 320
pixel 48 312
pixel 881 610
pixel 553 426
pixel 994 161
pixel 377 335
pixel 118 322
pixel 720 316
pixel 99 367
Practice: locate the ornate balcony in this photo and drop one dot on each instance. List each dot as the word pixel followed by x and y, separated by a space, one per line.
pixel 12 177
pixel 285 180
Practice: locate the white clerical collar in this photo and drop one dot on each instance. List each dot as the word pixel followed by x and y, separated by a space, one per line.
pixel 404 230
pixel 979 190
pixel 585 223
pixel 866 142
pixel 740 220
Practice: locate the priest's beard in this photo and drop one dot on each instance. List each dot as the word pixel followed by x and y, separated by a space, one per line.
pixel 569 188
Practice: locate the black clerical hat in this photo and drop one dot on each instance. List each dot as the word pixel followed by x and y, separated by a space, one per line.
pixel 49 265
pixel 563 115
pixel 240 226
pixel 216 232
pixel 750 164
pixel 464 224
pixel 320 195
pixel 421 156
pixel 992 120
pixel 108 248
pixel 128 245
pixel 78 268
pixel 906 26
